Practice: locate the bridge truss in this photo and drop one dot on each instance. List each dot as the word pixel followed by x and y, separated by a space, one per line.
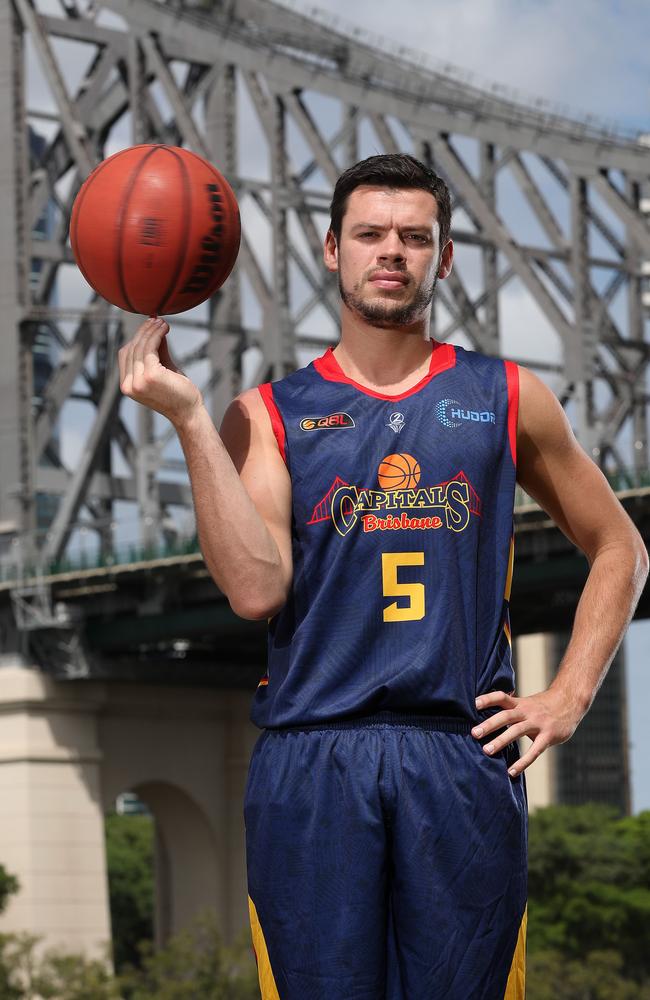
pixel 548 223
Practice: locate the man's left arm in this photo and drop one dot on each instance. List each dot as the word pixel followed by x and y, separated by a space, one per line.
pixel 554 470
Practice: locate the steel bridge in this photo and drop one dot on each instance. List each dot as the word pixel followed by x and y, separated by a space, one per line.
pixel 552 245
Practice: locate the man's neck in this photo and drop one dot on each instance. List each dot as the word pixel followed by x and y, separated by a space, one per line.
pixel 383 359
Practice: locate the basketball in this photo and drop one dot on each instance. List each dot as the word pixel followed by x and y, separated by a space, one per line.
pixel 398 472
pixel 155 229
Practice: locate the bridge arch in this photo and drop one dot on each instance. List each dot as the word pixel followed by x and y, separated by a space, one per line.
pixel 184 752
pixel 188 876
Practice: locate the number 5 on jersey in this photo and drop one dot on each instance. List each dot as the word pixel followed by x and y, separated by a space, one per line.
pixel 414 610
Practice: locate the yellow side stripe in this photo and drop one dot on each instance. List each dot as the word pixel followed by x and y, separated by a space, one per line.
pixel 507 632
pixel 516 985
pixel 511 566
pixel 264 971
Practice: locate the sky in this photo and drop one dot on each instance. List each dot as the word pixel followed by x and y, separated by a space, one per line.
pixel 590 56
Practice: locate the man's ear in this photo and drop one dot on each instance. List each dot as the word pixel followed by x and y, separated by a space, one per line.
pixel 446 259
pixel 331 252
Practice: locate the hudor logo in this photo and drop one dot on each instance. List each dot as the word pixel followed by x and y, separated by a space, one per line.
pixel 450 413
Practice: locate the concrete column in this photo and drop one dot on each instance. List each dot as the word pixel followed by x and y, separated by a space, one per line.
pixel 51 818
pixel 535 670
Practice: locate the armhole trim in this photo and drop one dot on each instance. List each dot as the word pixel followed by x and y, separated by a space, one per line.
pixel 512 379
pixel 266 392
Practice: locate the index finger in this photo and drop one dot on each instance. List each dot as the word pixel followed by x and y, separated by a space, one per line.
pixel 495 698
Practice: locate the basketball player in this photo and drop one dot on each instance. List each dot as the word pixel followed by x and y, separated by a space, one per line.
pixel 364 504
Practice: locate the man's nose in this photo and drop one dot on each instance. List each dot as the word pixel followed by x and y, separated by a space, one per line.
pixel 391 249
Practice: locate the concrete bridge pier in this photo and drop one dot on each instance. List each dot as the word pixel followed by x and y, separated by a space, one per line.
pixel 51 811
pixel 68 749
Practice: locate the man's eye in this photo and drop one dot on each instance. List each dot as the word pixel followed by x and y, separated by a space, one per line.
pixel 418 237
pixel 369 233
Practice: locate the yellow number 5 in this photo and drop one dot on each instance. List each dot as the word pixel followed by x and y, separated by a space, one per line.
pixel 414 610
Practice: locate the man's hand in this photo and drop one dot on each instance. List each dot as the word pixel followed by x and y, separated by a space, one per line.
pixel 149 374
pixel 545 718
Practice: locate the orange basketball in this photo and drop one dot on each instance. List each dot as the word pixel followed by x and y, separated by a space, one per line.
pixel 155 229
pixel 399 472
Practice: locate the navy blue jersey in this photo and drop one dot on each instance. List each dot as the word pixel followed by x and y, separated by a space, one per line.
pixel 402 536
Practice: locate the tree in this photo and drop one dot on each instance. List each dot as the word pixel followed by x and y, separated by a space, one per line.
pixel 129 856
pixel 10 956
pixel 26 973
pixel 589 890
pixel 193 964
pixel 9 885
pixel 597 976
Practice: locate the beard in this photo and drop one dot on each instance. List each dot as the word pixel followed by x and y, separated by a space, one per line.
pixel 386 313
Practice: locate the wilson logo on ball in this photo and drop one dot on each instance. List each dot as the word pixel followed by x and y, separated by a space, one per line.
pixel 202 273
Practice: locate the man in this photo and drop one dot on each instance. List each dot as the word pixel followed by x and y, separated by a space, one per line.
pixel 365 505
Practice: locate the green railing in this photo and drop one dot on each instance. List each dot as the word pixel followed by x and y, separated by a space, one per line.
pixel 122 556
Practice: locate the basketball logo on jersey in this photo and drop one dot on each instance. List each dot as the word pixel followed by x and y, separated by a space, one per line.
pixel 400 503
pixel 398 472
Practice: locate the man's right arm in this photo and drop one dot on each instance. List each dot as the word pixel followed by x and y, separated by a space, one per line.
pixel 240 484
pixel 242 498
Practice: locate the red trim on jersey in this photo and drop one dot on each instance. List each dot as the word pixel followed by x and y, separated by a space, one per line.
pixel 512 378
pixel 266 392
pixel 443 356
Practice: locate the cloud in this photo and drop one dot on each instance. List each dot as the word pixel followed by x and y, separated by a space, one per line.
pixel 591 57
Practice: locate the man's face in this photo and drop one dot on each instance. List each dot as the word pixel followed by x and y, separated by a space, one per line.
pixel 388 255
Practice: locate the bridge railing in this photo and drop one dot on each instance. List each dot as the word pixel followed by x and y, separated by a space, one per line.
pixel 124 555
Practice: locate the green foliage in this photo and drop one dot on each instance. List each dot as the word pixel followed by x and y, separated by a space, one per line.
pixel 62 976
pixel 589 910
pixel 25 974
pixel 195 964
pixel 129 855
pixel 17 966
pixel 8 886
pixel 597 976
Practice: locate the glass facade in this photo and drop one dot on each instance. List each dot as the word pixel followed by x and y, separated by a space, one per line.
pixel 593 766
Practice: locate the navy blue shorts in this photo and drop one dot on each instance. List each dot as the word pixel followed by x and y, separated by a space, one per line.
pixel 387 860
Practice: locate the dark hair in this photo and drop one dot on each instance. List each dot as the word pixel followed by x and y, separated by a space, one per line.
pixel 391 170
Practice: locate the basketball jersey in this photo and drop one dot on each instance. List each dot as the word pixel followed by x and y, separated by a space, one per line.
pixel 402 540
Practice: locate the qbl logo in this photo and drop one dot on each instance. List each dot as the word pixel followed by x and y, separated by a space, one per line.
pixel 329 422
pixel 451 414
